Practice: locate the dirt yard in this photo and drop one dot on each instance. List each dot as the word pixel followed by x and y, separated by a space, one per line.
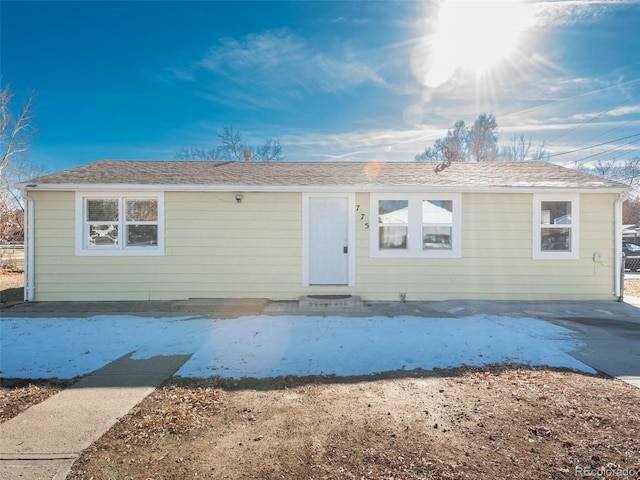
pixel 503 422
pixel 632 287
pixel 498 422
pixel 16 395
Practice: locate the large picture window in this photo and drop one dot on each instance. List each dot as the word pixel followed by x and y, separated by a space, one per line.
pixel 416 225
pixel 555 227
pixel 110 224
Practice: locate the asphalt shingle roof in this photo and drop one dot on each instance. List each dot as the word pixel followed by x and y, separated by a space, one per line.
pixel 325 174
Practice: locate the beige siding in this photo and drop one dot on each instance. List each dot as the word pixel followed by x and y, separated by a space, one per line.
pixel 496 263
pixel 215 247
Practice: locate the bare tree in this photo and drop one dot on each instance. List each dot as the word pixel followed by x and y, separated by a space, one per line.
pixel 18 170
pixel 631 212
pixel 11 224
pixel 624 171
pixel 631 172
pixel 519 150
pixel 604 168
pixel 434 153
pixel 455 143
pixel 231 146
pixel 483 141
pixel 198 153
pixel 16 131
pixel 476 143
pixel 16 134
pixel 269 151
pixel 479 143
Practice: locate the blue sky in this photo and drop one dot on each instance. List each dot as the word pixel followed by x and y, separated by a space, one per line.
pixel 332 80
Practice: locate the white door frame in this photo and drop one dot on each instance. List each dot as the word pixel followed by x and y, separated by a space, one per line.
pixel 351 240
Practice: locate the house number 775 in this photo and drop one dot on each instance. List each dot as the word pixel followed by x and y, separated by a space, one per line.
pixel 362 217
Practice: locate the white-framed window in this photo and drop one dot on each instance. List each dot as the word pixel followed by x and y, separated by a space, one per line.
pixel 119 224
pixel 416 225
pixel 556 232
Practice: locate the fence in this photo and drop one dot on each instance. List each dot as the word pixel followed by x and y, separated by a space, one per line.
pixel 12 247
pixel 12 256
pixel 632 264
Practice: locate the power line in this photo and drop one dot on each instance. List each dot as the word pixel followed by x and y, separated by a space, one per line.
pixel 596 145
pixel 610 150
pixel 614 128
pixel 594 118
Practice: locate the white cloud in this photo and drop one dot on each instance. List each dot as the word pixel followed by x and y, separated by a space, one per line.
pixel 624 110
pixel 570 12
pixel 620 111
pixel 280 64
pixel 366 145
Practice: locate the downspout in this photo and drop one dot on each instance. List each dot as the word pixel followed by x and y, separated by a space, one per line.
pixel 618 267
pixel 29 282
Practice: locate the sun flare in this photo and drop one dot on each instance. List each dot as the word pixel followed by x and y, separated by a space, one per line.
pixel 474 36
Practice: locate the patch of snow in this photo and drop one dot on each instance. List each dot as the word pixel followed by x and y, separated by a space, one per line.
pixel 453 311
pixel 267 346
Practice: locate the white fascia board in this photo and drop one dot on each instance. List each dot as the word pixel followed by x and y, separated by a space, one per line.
pixel 315 188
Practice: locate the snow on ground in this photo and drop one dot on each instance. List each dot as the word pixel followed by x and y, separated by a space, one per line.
pixel 266 346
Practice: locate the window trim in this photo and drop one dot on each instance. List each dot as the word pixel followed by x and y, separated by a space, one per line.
pixel 121 249
pixel 414 237
pixel 538 253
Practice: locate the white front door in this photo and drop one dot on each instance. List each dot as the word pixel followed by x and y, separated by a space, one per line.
pixel 328 240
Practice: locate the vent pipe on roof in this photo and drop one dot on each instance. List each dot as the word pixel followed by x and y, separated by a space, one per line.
pixel 247 155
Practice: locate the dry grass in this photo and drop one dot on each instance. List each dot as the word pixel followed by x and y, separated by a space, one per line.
pixel 502 421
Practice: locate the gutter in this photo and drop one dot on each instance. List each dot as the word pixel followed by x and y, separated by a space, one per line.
pixel 29 280
pixel 102 187
pixel 618 270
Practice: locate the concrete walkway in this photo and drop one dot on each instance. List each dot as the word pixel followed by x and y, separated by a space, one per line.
pixel 44 441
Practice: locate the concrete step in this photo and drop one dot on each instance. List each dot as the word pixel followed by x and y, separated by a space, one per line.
pixel 337 302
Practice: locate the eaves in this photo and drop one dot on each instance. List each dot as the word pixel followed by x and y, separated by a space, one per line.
pixel 528 188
